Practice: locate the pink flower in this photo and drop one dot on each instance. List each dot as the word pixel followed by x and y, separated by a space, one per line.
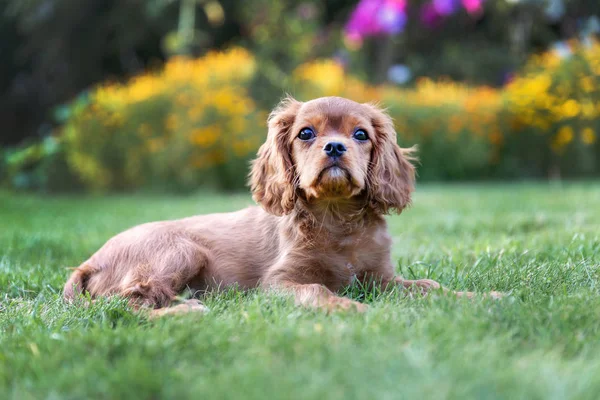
pixel 375 17
pixel 472 6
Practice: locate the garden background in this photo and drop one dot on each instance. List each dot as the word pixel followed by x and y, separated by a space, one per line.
pixel 153 95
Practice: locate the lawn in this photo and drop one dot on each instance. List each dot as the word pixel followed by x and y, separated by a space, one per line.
pixel 539 242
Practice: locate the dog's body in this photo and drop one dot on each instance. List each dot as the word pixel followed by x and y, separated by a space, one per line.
pixel 329 171
pixel 249 248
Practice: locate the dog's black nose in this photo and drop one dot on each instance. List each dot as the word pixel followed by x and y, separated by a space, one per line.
pixel 334 149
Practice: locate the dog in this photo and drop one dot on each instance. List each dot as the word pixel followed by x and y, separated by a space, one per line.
pixel 328 173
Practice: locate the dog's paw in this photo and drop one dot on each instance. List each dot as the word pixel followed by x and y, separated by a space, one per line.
pixel 345 304
pixel 187 306
pixel 496 295
pixel 490 295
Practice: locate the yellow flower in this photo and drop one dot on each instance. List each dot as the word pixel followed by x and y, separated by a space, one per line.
pixel 242 148
pixel 570 109
pixel 155 144
pixel 238 126
pixel 327 76
pixel 183 99
pixel 588 136
pixel 172 122
pixel 588 110
pixel 206 136
pixel 194 113
pixel 587 84
pixel 563 137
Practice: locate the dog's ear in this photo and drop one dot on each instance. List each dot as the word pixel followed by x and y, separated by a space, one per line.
pixel 272 174
pixel 391 174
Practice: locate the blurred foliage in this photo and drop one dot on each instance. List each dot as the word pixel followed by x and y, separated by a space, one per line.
pixel 195 123
pixel 161 122
pixel 52 50
pixel 191 124
pixel 554 107
pixel 38 165
pixel 283 34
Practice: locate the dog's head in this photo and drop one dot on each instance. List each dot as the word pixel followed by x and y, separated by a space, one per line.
pixel 330 149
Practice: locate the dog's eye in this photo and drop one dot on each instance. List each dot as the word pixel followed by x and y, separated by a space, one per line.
pixel 306 134
pixel 361 135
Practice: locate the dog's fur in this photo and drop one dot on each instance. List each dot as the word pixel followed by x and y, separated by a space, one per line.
pixel 321 224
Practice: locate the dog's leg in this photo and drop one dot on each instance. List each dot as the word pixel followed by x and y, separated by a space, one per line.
pixel 319 297
pixel 304 280
pixel 188 306
pixel 157 287
pixel 150 279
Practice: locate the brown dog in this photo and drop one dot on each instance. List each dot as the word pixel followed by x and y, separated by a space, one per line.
pixel 327 174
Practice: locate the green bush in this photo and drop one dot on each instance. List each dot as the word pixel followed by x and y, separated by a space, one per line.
pixel 190 125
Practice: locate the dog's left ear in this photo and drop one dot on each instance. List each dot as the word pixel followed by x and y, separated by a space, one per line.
pixel 272 174
pixel 391 174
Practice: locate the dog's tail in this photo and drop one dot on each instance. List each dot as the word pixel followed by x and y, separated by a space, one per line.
pixel 77 283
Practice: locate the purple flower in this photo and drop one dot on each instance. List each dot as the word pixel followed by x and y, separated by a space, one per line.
pixel 391 19
pixel 388 17
pixel 430 16
pixel 445 7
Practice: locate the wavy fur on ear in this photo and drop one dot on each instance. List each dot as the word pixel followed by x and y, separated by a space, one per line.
pixel 272 174
pixel 391 175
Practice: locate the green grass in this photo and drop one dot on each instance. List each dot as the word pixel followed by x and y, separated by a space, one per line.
pixel 541 243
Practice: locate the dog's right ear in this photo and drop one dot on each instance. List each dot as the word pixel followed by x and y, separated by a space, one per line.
pixel 272 174
pixel 392 175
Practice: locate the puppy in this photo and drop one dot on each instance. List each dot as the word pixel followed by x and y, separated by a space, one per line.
pixel 327 174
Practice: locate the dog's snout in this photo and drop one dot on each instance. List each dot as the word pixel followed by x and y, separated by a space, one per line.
pixel 334 149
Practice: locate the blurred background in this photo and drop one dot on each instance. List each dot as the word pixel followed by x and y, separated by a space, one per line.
pixel 173 95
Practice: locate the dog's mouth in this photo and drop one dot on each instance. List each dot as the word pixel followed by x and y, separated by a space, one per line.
pixel 334 181
pixel 334 171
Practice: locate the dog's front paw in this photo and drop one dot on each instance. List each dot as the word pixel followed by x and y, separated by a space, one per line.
pixel 496 295
pixel 187 306
pixel 421 287
pixel 472 295
pixel 345 304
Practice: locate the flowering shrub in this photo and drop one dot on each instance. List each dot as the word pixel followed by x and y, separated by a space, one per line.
pixel 327 78
pixel 195 123
pixel 554 107
pixel 455 127
pixel 545 122
pixel 191 124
